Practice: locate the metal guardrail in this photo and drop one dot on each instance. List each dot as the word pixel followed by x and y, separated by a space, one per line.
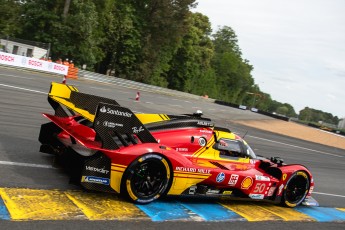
pixel 83 74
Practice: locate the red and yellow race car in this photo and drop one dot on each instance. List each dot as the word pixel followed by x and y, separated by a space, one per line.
pixel 146 156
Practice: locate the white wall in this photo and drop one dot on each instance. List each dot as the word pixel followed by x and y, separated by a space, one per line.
pixel 23 49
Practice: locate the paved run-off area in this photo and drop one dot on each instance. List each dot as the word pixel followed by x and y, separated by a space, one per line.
pixel 21 204
pixel 298 131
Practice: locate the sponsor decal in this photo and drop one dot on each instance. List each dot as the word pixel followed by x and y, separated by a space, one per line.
pixel 59 67
pixel 233 180
pixel 137 130
pixel 284 176
pixel 182 149
pixel 212 191
pixel 256 196
pixel 280 189
pixel 110 124
pixel 204 123
pixel 193 170
pixel 50 65
pixel 94 169
pixel 115 112
pixel 202 141
pixel 220 177
pixel 227 192
pixel 35 63
pixel 103 109
pixel 95 180
pixel 6 58
pixel 262 178
pixel 259 188
pixel 192 190
pixel 271 191
pixel 23 61
pixel 247 182
pixel 205 131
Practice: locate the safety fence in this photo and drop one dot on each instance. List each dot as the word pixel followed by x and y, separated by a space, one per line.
pixel 83 74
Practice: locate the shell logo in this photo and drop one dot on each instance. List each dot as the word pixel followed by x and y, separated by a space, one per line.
pixel 247 182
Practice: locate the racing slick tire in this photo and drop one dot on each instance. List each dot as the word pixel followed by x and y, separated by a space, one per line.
pixel 146 179
pixel 296 189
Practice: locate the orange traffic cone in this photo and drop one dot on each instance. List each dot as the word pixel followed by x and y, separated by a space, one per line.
pixel 137 97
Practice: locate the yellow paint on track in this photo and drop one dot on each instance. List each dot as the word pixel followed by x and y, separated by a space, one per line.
pixel 25 204
pixel 287 214
pixel 250 211
pixel 100 206
pixel 31 204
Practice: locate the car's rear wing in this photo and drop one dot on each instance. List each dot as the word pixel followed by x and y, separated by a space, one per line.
pixel 115 126
pixel 71 98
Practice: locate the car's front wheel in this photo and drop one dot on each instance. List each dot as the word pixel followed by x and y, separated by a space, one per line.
pixel 296 189
pixel 146 179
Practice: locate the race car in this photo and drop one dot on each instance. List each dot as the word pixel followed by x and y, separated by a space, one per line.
pixel 145 156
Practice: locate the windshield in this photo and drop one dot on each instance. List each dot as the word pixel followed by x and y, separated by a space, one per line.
pixel 249 150
pixel 234 148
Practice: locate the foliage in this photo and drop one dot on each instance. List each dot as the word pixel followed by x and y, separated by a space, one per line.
pixel 233 74
pixel 313 115
pixel 190 67
pixel 159 42
pixel 10 13
pixel 74 37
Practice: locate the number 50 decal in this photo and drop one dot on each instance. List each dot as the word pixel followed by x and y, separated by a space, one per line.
pixel 259 188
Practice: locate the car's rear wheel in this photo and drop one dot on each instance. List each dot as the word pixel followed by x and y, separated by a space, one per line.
pixel 296 189
pixel 146 179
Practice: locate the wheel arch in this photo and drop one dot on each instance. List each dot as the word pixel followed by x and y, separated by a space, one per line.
pixel 123 186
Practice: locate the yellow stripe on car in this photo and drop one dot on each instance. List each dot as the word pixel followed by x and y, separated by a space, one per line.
pixel 116 176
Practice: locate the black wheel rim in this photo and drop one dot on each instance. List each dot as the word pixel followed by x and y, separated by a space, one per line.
pixel 296 189
pixel 148 179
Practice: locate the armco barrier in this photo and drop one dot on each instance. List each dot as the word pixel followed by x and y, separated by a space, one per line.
pixel 276 116
pixel 83 74
pixel 253 110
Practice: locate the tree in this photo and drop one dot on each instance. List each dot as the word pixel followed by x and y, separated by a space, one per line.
pixel 233 74
pixel 190 67
pixel 74 37
pixel 164 26
pixel 10 13
pixel 313 115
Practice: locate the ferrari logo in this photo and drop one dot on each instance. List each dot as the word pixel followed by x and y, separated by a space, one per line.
pixel 284 176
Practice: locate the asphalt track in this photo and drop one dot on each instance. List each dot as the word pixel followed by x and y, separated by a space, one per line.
pixel 36 191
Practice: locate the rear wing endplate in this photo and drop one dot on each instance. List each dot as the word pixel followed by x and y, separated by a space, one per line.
pixel 110 120
pixel 116 121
